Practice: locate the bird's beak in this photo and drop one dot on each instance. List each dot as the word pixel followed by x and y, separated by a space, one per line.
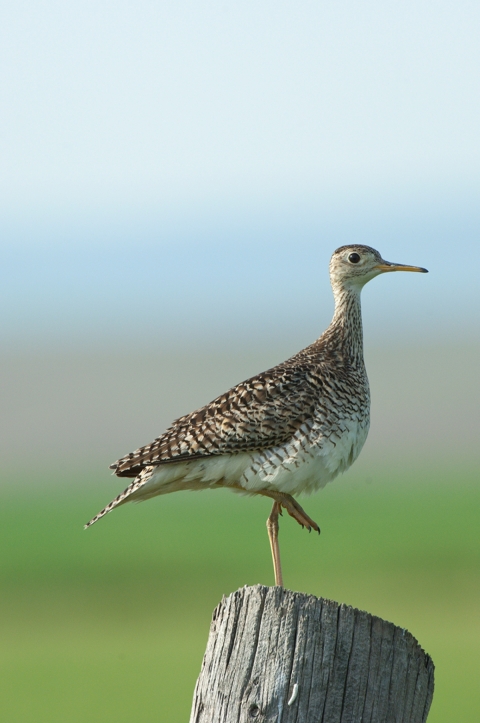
pixel 387 266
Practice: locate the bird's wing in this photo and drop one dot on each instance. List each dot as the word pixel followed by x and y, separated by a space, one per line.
pixel 260 412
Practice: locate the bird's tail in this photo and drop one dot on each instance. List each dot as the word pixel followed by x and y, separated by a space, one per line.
pixel 122 497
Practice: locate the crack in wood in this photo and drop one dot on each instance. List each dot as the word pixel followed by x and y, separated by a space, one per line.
pixel 275 656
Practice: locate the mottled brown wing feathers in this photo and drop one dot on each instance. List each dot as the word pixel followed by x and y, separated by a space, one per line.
pixel 260 412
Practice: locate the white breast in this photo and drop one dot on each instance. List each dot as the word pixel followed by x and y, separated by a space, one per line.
pixel 303 465
pixel 308 462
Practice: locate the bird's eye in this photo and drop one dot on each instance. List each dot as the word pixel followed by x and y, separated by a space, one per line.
pixel 354 258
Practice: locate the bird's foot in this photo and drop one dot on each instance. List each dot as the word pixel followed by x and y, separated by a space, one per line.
pixel 298 513
pixel 293 509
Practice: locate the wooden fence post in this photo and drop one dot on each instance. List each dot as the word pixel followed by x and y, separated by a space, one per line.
pixel 283 657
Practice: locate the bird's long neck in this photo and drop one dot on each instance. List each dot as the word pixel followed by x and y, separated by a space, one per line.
pixel 344 336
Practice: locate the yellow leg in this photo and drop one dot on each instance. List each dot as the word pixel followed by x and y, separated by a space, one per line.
pixel 287 502
pixel 272 528
pixel 292 507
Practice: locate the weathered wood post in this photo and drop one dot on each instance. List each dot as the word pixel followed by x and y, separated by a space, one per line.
pixel 283 657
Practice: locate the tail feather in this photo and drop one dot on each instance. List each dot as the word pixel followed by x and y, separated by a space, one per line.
pixel 122 497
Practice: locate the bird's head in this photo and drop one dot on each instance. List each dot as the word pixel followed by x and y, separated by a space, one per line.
pixel 353 265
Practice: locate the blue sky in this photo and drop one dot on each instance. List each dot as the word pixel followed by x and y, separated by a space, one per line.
pixel 184 170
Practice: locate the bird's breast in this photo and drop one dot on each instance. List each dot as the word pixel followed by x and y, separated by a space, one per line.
pixel 315 455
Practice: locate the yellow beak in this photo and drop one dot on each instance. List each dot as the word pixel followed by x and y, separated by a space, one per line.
pixel 387 266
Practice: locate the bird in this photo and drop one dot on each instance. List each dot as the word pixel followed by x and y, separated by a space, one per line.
pixel 286 431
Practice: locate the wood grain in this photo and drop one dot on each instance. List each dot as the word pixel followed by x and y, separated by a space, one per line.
pixel 348 666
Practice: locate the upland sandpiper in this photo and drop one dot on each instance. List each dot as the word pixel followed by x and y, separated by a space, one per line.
pixel 286 431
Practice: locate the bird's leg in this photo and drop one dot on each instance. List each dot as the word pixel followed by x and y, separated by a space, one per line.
pixel 297 512
pixel 281 499
pixel 272 528
pixel 293 508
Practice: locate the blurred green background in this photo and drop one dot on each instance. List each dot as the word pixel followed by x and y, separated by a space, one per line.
pixel 110 624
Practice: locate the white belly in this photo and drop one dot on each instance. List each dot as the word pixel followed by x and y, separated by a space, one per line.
pixel 307 463
pixel 303 465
